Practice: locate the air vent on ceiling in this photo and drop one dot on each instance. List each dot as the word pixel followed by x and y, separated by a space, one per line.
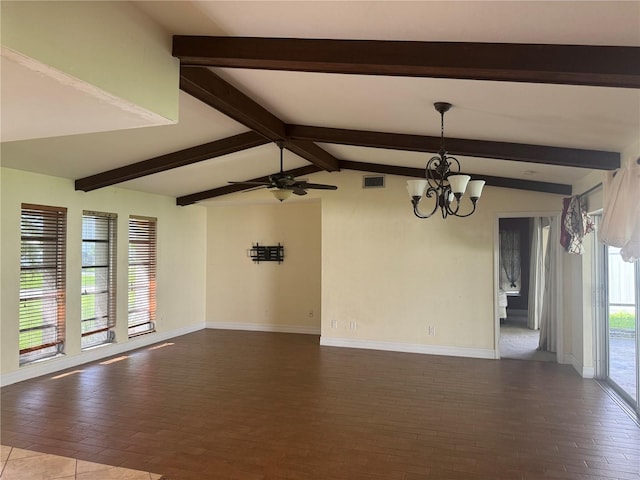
pixel 373 181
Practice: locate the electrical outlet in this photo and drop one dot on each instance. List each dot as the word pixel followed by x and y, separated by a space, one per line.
pixel 432 330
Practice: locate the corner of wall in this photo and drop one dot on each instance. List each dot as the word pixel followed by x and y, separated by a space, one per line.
pixel 583 371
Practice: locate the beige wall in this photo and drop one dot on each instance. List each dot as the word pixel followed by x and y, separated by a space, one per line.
pixel 359 266
pixel 270 296
pixel 181 250
pixel 386 276
pixel 395 275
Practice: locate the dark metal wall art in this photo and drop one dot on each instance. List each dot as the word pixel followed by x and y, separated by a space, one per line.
pixel 267 253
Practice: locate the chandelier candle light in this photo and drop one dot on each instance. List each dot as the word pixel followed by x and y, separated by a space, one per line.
pixel 443 180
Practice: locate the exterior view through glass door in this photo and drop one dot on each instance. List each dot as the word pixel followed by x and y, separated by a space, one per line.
pixel 623 282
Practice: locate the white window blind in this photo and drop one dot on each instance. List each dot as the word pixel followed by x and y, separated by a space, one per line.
pixel 142 275
pixel 42 282
pixel 98 278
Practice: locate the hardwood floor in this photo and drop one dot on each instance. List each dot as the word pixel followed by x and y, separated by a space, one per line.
pixel 248 405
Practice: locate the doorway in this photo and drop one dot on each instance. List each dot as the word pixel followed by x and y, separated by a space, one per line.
pixel 525 262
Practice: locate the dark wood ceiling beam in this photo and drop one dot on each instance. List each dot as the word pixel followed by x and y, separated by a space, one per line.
pixel 570 157
pixel 545 187
pixel 209 88
pixel 172 160
pixel 227 189
pixel 606 66
pixel 364 138
pixel 314 154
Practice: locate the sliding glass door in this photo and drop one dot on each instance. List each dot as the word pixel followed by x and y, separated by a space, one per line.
pixel 621 322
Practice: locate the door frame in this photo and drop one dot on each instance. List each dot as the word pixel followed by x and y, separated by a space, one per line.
pixel 601 327
pixel 556 215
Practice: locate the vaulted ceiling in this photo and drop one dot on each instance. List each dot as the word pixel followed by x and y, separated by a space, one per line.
pixel 543 93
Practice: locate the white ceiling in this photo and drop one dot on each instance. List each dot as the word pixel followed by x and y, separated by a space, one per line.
pixel 557 115
pixel 568 22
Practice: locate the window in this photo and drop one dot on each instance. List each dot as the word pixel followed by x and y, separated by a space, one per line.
pixel 142 275
pixel 510 262
pixel 98 278
pixel 42 282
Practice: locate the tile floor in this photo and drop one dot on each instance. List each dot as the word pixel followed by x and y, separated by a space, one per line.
pixel 19 464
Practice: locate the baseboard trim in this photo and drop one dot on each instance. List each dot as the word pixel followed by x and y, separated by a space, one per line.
pixel 261 327
pixel 584 372
pixel 409 348
pixel 64 362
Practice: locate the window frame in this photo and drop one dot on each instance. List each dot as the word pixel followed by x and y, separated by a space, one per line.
pixel 141 298
pixel 43 237
pixel 107 316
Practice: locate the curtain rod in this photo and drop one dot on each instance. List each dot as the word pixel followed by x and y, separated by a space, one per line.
pixel 591 190
pixel 599 185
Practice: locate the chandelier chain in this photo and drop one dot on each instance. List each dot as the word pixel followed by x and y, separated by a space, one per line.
pixel 442 150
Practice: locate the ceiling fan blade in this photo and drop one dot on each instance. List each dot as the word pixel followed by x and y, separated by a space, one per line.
pixel 253 189
pixel 283 181
pixel 250 183
pixel 317 186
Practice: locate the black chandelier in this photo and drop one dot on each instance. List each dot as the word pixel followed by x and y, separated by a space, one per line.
pixel 443 180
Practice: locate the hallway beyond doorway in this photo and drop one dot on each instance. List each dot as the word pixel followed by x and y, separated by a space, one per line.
pixel 521 343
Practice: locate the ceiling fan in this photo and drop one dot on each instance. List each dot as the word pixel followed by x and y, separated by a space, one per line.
pixel 282 185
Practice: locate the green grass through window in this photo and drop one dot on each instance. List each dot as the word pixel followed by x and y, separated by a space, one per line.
pixel 622 320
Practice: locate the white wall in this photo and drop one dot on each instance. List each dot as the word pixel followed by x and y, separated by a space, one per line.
pixel 180 270
pixel 266 296
pixel 110 45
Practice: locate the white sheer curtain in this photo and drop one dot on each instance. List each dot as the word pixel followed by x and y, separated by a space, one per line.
pixel 536 275
pixel 548 320
pixel 510 259
pixel 621 211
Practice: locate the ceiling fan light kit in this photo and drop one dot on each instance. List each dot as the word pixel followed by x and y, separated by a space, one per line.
pixel 443 182
pixel 281 194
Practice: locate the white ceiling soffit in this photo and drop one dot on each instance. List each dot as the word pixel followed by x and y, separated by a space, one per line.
pixel 39 101
pixel 77 156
